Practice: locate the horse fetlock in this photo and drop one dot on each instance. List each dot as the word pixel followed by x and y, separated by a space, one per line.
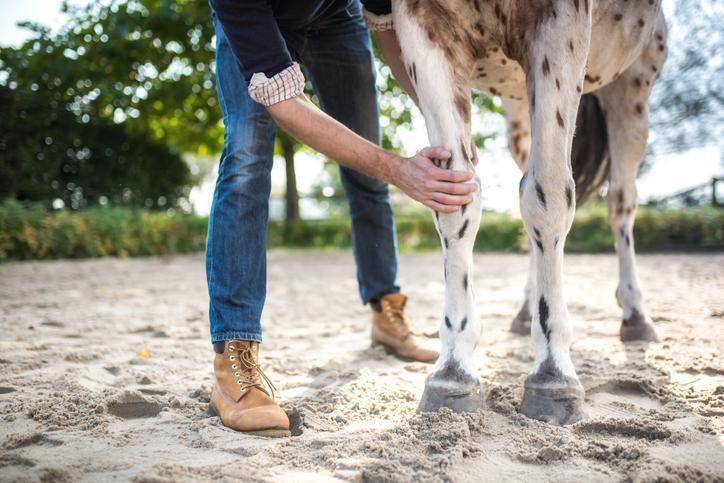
pixel 628 295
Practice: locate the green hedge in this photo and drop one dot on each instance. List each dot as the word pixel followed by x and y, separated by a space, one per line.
pixel 31 232
pixel 497 233
pixel 656 229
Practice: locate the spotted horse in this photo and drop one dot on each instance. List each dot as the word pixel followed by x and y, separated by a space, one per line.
pixel 563 68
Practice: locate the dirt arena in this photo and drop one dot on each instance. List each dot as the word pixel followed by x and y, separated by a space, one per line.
pixel 105 371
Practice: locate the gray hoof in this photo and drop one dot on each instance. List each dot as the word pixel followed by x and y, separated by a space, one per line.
pixel 553 398
pixel 458 397
pixel 637 328
pixel 521 322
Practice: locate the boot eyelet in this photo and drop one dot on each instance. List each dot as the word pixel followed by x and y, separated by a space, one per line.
pixel 237 374
pixel 234 366
pixel 232 358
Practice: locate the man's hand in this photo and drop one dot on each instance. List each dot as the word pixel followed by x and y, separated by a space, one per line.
pixel 442 190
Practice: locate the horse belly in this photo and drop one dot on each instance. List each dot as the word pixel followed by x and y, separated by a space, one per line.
pixel 619 34
pixel 499 76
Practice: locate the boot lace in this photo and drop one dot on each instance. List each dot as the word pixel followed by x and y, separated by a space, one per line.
pixel 398 319
pixel 247 371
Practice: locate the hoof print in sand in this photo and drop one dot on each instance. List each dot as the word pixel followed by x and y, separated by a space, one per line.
pixel 131 405
pixel 16 441
pixel 296 421
pixel 622 398
pixel 630 428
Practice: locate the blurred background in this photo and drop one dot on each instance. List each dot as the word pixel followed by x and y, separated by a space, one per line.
pixel 110 135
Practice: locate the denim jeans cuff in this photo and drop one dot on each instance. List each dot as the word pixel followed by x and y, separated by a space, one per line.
pixel 235 336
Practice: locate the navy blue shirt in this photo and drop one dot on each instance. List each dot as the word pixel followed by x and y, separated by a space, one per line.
pixel 254 27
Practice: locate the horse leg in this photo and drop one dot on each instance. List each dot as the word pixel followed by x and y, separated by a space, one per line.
pixel 554 62
pixel 444 98
pixel 517 120
pixel 625 102
pixel 521 324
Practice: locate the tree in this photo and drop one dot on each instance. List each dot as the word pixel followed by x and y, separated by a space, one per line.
pixel 288 147
pixel 49 154
pixel 100 111
pixel 687 102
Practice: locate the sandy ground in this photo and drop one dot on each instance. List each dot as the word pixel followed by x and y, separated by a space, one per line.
pixel 105 371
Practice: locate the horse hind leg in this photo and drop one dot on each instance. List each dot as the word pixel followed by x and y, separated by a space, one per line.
pixel 521 324
pixel 444 99
pixel 625 103
pixel 517 120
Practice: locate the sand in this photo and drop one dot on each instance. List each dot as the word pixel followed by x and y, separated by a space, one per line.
pixel 105 371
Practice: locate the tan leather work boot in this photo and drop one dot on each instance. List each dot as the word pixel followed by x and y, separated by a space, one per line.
pixel 239 397
pixel 391 329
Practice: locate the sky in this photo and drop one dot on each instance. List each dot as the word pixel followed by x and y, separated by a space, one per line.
pixel 46 12
pixel 498 173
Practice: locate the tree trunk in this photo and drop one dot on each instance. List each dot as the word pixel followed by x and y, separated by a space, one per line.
pixel 292 195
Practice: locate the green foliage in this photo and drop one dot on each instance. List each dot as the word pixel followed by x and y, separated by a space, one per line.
pixel 146 64
pixel 590 231
pixel 29 231
pixel 693 228
pixel 53 155
pixel 655 229
pixel 328 233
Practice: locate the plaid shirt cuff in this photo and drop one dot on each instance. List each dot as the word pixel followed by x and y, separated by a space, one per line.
pixel 378 23
pixel 285 85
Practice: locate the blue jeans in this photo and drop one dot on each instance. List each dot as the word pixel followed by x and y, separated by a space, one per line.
pixel 336 57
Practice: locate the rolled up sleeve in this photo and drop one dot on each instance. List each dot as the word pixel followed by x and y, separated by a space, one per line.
pixel 378 14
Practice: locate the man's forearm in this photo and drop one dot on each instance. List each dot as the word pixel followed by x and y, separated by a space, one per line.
pixel 442 190
pixel 303 120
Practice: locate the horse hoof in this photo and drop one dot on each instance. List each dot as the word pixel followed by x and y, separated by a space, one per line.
pixel 556 401
pixel 459 397
pixel 637 328
pixel 521 322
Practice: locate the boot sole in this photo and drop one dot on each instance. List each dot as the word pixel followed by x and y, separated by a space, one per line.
pixel 265 433
pixel 392 352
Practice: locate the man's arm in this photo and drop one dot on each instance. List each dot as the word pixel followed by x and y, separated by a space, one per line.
pixel 439 189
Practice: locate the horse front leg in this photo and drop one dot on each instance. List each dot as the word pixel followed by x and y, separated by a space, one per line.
pixel 444 98
pixel 555 67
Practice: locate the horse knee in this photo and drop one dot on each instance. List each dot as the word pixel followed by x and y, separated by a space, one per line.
pixel 547 207
pixel 460 228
